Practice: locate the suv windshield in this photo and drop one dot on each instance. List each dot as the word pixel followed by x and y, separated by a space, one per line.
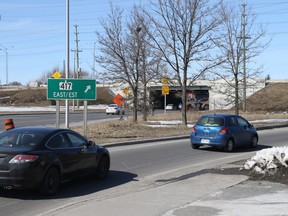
pixel 211 121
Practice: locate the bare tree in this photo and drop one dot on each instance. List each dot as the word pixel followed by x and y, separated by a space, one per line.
pixel 182 30
pixel 120 53
pixel 237 45
pixel 126 56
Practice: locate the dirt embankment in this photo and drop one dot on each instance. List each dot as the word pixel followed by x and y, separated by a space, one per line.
pixel 38 97
pixel 272 98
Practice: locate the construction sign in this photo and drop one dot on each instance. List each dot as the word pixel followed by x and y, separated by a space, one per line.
pixel 119 100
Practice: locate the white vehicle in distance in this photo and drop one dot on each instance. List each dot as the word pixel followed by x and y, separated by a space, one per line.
pixel 114 109
pixel 169 107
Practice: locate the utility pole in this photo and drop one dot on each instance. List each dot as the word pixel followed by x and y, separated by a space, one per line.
pixel 77 52
pixel 77 56
pixel 94 71
pixel 5 50
pixel 244 37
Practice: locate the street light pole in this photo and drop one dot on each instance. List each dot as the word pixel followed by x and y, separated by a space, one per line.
pixel 67 68
pixel 5 50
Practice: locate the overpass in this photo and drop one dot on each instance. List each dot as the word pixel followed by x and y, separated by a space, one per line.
pixel 193 95
pixel 213 90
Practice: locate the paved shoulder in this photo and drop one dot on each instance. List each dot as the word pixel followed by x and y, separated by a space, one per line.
pixel 157 198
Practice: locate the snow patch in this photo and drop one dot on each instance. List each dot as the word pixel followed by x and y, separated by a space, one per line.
pixel 268 160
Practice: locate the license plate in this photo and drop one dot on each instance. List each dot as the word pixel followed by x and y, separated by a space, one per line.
pixel 205 141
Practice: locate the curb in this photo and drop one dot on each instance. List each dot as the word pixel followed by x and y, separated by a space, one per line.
pixel 146 140
pixel 271 127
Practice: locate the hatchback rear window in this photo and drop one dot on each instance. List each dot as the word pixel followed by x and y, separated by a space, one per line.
pixel 211 121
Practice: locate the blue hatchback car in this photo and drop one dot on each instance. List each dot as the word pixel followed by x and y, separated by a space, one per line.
pixel 226 131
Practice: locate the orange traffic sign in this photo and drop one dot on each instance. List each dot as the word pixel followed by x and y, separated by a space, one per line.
pixel 119 100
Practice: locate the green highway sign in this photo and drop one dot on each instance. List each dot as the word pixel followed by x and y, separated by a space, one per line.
pixel 71 89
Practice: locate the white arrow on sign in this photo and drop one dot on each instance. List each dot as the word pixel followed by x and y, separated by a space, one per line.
pixel 87 88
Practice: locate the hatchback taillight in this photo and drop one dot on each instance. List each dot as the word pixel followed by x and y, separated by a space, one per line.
pixel 23 159
pixel 193 129
pixel 224 130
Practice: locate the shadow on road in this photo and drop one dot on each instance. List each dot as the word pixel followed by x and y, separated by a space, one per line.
pixel 75 188
pixel 236 150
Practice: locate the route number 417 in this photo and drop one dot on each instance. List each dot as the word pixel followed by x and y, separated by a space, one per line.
pixel 65 85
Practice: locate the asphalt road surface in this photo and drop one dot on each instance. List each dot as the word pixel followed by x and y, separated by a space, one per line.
pixel 140 170
pixel 49 119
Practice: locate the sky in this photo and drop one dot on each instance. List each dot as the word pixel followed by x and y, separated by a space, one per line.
pixel 33 35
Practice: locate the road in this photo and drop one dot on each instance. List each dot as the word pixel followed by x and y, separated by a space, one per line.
pixel 50 118
pixel 150 168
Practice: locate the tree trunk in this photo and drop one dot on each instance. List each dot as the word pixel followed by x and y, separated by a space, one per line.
pixel 135 105
pixel 236 96
pixel 184 102
pixel 145 102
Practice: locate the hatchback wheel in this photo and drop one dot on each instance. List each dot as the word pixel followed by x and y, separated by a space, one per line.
pixel 103 167
pixel 254 142
pixel 229 146
pixel 51 182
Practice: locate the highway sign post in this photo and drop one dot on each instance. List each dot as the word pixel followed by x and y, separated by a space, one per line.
pixel 71 89
pixel 165 91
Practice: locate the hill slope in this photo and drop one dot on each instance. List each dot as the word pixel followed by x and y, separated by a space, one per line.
pixel 37 97
pixel 272 98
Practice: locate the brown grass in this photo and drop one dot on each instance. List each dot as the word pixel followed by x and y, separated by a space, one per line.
pixel 125 130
